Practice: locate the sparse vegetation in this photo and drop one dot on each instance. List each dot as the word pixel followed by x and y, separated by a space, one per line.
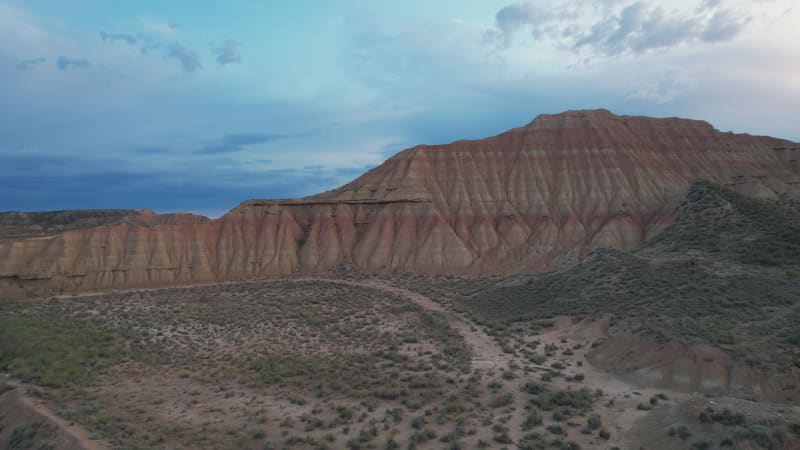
pixel 54 351
pixel 304 343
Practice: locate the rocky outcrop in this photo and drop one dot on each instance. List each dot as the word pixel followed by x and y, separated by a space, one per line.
pixel 532 198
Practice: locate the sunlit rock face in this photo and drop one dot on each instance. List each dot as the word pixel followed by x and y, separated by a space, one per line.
pixel 530 199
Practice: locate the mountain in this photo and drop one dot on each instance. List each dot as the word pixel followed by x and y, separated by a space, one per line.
pixel 533 198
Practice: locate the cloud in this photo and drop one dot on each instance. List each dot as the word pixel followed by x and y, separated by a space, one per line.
pixel 159 27
pixel 30 64
pixel 723 26
pixel 513 17
pixel 611 29
pixel 228 53
pixel 660 89
pixel 117 37
pixel 237 142
pixel 638 28
pixel 65 63
pixel 190 61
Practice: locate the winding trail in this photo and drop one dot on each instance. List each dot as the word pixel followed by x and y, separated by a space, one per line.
pixel 618 407
pixel 486 353
pixel 78 435
pixel 618 415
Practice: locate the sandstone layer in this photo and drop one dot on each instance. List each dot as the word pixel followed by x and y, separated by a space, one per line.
pixel 530 199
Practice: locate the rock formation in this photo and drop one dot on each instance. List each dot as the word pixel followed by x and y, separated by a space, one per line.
pixel 529 199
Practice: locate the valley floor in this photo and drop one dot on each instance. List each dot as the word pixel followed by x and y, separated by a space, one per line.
pixel 334 363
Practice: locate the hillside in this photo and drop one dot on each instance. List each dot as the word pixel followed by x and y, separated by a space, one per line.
pixel 713 299
pixel 532 199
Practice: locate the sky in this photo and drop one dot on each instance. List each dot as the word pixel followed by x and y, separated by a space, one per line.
pixel 198 105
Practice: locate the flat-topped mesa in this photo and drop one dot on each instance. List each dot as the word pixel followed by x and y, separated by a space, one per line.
pixel 603 118
pixel 21 225
pixel 529 199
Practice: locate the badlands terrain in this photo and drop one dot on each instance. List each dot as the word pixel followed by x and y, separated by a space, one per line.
pixel 585 281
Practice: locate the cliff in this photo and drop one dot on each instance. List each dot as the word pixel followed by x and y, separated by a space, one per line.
pixel 530 199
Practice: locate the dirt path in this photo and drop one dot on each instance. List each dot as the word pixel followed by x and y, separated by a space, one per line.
pixel 77 436
pixel 487 355
pixel 618 407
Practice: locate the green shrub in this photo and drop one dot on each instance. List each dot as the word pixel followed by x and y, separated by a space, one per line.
pixel 532 420
pixel 762 435
pixel 533 388
pixel 274 369
pixel 725 417
pixel 580 399
pixel 423 436
pixel 594 422
pixel 501 401
pixel 681 432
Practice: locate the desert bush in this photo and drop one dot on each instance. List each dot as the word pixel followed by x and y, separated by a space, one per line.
pixel 421 436
pixel 532 420
pixel 681 432
pixel 594 422
pixel 501 401
pixel 580 399
pixel 725 417
pixel 765 436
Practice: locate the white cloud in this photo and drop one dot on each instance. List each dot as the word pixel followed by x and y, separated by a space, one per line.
pixel 614 28
pixel 159 27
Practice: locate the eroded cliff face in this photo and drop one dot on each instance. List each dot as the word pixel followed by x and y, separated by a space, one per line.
pixel 532 198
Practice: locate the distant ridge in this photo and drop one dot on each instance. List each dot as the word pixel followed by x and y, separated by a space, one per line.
pixel 22 225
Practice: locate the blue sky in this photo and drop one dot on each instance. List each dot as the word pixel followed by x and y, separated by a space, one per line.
pixel 198 105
